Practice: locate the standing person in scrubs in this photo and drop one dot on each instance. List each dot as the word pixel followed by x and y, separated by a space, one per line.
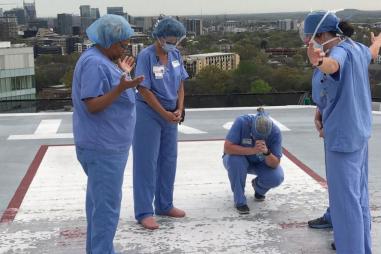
pixel 341 89
pixel 253 145
pixel 103 124
pixel 160 103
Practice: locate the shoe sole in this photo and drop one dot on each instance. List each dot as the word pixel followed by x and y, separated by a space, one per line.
pixel 320 226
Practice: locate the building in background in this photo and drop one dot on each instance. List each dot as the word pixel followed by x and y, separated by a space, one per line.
pixel 1 12
pixel 17 72
pixel 146 23
pixel 8 28
pixel 30 11
pixel 19 13
pixel 194 26
pixel 136 48
pixel 94 13
pixel 288 25
pixel 224 61
pixel 64 23
pixel 86 19
pixel 117 11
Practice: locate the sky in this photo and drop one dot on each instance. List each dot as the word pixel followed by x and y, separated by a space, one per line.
pixel 50 8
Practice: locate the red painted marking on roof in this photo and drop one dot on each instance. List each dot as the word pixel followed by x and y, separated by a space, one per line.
pixel 305 168
pixel 15 203
pixel 293 225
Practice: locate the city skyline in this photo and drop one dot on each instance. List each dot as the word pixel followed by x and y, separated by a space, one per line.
pixel 45 8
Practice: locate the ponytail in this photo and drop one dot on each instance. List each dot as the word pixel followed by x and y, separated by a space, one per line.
pixel 346 28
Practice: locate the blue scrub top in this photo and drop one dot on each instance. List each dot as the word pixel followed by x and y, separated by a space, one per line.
pixel 344 98
pixel 112 128
pixel 240 134
pixel 164 87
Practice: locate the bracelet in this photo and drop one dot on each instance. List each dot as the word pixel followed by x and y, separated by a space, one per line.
pixel 268 153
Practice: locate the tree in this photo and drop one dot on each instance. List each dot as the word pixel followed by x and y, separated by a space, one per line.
pixel 260 86
pixel 210 80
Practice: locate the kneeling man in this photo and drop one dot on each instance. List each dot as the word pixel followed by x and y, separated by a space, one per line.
pixel 253 146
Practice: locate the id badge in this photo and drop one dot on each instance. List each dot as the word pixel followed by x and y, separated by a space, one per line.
pixel 247 141
pixel 175 63
pixel 158 71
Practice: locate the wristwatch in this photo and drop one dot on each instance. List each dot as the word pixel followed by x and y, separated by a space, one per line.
pixel 268 153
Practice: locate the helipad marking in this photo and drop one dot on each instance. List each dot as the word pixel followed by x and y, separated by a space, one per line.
pixel 189 130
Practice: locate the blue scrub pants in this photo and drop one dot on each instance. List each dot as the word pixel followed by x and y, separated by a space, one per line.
pixel 238 167
pixel 104 170
pixel 155 159
pixel 327 216
pixel 347 176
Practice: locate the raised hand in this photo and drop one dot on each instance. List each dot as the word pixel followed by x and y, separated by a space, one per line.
pixel 314 54
pixel 127 64
pixel 131 83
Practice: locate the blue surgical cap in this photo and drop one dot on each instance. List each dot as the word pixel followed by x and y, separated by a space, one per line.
pixel 330 23
pixel 169 27
pixel 108 30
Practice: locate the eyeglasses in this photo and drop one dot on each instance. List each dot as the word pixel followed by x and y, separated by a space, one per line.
pixel 176 43
pixel 124 46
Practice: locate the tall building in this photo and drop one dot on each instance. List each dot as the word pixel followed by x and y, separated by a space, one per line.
pixel 86 19
pixel 17 80
pixel 19 13
pixel 85 10
pixel 288 25
pixel 194 26
pixel 94 13
pixel 145 23
pixel 30 10
pixel 1 12
pixel 64 23
pixel 117 11
pixel 224 61
pixel 8 28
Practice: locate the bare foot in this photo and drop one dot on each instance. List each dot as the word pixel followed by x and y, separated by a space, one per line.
pixel 176 213
pixel 149 223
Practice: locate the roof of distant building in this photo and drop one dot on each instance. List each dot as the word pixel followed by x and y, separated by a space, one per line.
pixel 211 54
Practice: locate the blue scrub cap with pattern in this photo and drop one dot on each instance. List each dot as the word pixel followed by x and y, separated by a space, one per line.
pixel 169 26
pixel 108 30
pixel 262 125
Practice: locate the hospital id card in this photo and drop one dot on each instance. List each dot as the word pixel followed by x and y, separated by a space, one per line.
pixel 158 71
pixel 175 63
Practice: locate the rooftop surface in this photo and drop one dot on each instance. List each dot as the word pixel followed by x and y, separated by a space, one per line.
pixel 43 186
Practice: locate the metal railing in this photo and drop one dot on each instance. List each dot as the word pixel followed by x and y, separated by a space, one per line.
pixel 191 101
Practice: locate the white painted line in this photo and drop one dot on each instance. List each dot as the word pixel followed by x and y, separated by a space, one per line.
pixel 227 125
pixel 189 130
pixel 41 136
pixel 49 126
pixel 281 126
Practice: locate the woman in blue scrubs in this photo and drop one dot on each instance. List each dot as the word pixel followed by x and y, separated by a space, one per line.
pixel 160 103
pixel 341 90
pixel 103 124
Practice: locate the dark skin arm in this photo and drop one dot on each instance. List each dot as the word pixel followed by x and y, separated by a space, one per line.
pixel 98 104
